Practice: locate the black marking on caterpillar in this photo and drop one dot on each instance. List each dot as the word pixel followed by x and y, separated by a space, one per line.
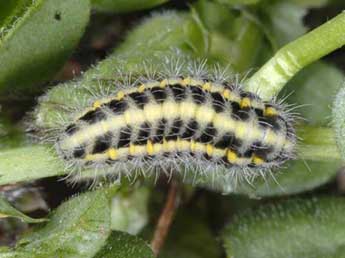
pixel 181 123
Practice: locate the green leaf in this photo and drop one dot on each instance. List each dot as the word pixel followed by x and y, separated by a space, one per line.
pixel 285 21
pixel 28 163
pixel 314 87
pixel 37 37
pixel 125 6
pixel 296 228
pixel 339 121
pixel 129 210
pixel 235 39
pixel 123 245
pixel 297 177
pixel 7 210
pixel 78 228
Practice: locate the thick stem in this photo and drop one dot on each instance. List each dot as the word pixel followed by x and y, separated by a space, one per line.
pixel 290 59
pixel 165 218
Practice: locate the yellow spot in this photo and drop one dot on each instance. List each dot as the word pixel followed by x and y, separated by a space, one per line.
pixel 245 102
pixel 186 81
pixel 257 160
pixel 149 147
pixel 209 149
pixel 270 111
pixel 207 86
pixel 226 94
pixel 96 104
pixel 120 95
pixel 131 149
pixel 163 83
pixel 112 153
pixel 141 88
pixel 232 156
pixel 192 145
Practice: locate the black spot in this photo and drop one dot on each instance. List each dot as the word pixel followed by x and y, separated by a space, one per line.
pixel 261 151
pixel 79 153
pixel 179 92
pixel 191 128
pixel 71 129
pixel 102 143
pixel 175 129
pixel 259 112
pixel 159 94
pixel 143 134
pixel 158 138
pixel 93 116
pixel 57 16
pixel 140 99
pixel 208 134
pixel 118 106
pixel 125 137
pixel 271 122
pixel 238 113
pixel 248 153
pixel 198 95
pixel 246 94
pixel 218 102
pixel 225 141
pixel 228 141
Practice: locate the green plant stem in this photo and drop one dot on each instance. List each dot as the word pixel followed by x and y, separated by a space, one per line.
pixel 290 59
pixel 317 144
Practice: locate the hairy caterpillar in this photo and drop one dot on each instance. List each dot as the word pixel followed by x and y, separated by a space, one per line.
pixel 180 123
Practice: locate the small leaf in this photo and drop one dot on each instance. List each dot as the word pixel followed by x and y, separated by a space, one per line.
pixel 295 229
pixel 7 210
pixel 125 6
pixel 129 210
pixel 285 21
pixel 37 37
pixel 28 163
pixel 78 228
pixel 123 245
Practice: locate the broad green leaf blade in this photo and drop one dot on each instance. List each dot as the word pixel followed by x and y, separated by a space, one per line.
pixel 285 21
pixel 125 6
pixel 78 228
pixel 35 44
pixel 298 177
pixel 314 88
pixel 123 245
pixel 7 210
pixel 292 229
pixel 339 121
pixel 129 210
pixel 28 163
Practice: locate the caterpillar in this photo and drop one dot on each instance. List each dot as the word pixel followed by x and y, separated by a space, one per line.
pixel 180 123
